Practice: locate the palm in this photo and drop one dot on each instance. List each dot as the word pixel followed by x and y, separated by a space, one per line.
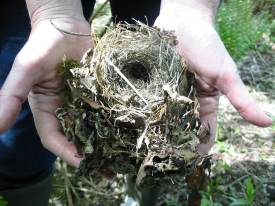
pixel 200 44
pixel 35 75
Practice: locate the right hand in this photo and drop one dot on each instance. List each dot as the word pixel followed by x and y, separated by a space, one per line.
pixel 34 75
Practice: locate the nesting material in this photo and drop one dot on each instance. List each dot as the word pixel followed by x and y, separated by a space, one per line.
pixel 131 106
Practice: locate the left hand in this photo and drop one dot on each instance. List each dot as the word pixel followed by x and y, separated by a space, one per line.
pixel 204 51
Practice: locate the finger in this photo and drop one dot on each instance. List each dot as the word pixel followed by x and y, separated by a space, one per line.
pixel 211 120
pixel 218 69
pixel 53 139
pixel 209 101
pixel 49 130
pixel 233 87
pixel 14 92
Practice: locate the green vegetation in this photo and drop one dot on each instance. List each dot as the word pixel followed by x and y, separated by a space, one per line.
pixel 208 197
pixel 238 28
pixel 3 202
pixel 249 197
pixel 215 190
pixel 171 201
pixel 66 65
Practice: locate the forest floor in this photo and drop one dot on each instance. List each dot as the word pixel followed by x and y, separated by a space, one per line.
pixel 243 150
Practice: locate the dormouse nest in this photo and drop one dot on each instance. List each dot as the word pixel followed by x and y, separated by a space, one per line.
pixel 132 108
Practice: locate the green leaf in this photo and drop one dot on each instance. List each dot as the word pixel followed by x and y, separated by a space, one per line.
pixel 238 202
pixel 249 190
pixel 206 202
pixel 3 202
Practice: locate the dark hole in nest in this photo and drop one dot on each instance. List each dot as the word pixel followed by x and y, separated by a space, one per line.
pixel 137 71
pixel 157 159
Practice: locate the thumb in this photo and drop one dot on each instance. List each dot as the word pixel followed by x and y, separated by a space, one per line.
pixel 14 92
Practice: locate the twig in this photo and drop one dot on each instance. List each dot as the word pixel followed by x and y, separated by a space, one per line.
pixel 95 13
pixel 236 181
pixel 126 80
pixel 67 32
pixel 249 173
pixel 104 30
pixel 68 192
pixel 141 138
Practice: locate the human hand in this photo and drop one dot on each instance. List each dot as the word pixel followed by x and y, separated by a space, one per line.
pixel 199 43
pixel 34 75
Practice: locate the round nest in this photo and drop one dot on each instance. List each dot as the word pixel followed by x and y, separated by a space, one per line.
pixel 132 107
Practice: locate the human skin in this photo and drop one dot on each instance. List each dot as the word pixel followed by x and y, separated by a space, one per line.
pixel 200 44
pixel 34 72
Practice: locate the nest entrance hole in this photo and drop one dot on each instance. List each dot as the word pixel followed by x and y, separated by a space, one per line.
pixel 137 71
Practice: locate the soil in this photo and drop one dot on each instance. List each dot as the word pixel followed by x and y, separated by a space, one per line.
pixel 244 150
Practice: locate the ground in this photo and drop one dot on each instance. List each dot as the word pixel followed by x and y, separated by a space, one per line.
pixel 243 150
